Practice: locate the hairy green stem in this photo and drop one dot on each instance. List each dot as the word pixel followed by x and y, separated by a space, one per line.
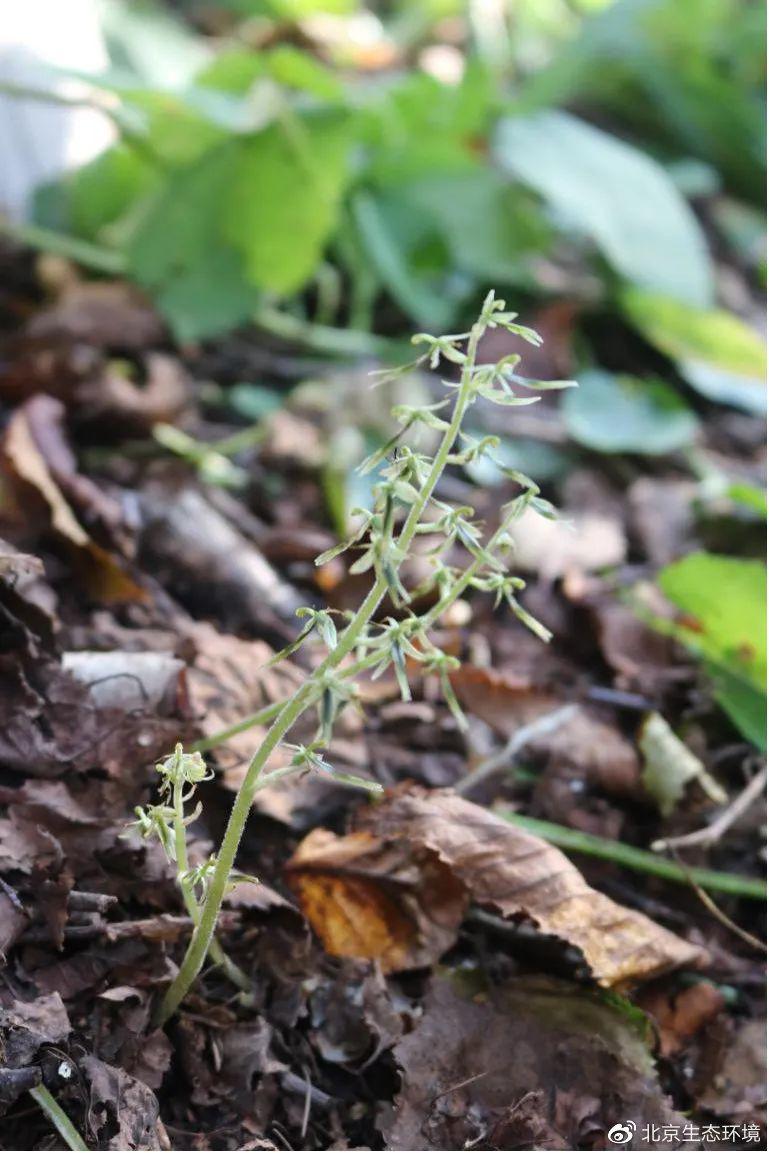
pixel 218 955
pixel 57 1117
pixel 629 857
pixel 301 700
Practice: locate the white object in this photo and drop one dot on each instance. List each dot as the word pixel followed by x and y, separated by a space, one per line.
pixel 40 141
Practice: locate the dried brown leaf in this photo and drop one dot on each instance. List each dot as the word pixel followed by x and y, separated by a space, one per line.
pixel 231 678
pixel 597 750
pixel 123 1112
pixel 358 891
pixel 680 1014
pixel 32 436
pixel 388 901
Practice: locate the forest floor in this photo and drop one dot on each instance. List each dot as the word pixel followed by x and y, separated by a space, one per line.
pixel 512 1004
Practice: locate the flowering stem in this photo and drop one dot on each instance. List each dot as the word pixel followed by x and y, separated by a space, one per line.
pixel 218 955
pixel 303 698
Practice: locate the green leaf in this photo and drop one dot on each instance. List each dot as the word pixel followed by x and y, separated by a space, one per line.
pixel 613 413
pixel 417 126
pixel 716 352
pixel 104 190
pixel 296 69
pixel 748 496
pixel 687 75
pixel 724 602
pixel 613 193
pixel 179 253
pixel 177 128
pixel 283 200
pixel 235 71
pixel 409 255
pixel 209 298
pixel 490 228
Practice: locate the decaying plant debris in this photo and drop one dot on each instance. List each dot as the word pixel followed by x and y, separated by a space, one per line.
pixel 423 973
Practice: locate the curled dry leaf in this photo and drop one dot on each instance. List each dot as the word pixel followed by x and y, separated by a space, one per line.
pixel 120 406
pixel 669 766
pixel 26 1025
pixel 37 462
pixel 123 1112
pixel 533 1064
pixel 389 901
pixel 396 890
pixel 353 1017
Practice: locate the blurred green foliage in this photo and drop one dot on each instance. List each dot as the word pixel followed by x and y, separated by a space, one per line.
pixel 407 155
pixel 723 605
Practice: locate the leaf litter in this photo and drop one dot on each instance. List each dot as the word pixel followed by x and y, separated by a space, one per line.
pixel 425 974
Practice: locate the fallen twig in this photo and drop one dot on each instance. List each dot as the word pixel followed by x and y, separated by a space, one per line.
pixel 713 832
pixel 541 727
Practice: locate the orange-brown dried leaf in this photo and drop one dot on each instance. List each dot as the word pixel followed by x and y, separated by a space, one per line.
pixel 395 889
pixel 392 902
pixel 681 1014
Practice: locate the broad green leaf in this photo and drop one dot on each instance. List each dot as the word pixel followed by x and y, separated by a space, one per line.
pixel 723 602
pixel 418 126
pixel 616 195
pixel 409 255
pixel 716 352
pixel 177 129
pixel 211 297
pixel 491 229
pixel 235 71
pixel 283 200
pixel 295 69
pixel 179 252
pixel 616 413
pixel 107 188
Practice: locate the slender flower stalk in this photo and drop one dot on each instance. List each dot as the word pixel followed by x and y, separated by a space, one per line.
pixel 408 482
